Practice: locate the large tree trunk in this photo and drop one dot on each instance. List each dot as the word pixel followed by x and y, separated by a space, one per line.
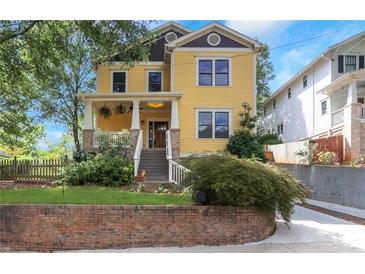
pixel 75 127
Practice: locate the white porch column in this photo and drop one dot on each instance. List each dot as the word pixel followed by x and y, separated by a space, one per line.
pixel 135 115
pixel 352 93
pixel 88 115
pixel 174 114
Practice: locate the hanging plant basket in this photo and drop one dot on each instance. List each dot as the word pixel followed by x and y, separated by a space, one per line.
pixel 120 109
pixel 105 112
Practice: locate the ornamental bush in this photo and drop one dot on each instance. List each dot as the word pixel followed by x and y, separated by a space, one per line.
pixel 229 181
pixel 102 170
pixel 245 145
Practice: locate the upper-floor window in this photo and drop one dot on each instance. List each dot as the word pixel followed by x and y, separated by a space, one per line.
pixel 264 111
pixel 350 63
pixel 213 72
pixel 154 81
pixel 213 124
pixel 324 107
pixel 119 81
pixel 289 93
pixel 274 103
pixel 305 81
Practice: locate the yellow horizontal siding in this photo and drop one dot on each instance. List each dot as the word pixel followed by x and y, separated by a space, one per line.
pixel 195 97
pixel 137 77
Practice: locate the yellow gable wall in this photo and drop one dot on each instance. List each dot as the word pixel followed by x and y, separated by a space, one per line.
pixel 194 97
pixel 137 77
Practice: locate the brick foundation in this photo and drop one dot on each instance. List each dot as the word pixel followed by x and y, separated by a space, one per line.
pixel 88 139
pixel 73 227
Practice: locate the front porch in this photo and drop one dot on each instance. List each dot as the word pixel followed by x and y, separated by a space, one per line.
pixel 137 122
pixel 347 109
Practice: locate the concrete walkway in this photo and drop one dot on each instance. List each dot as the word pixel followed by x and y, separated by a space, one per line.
pixel 310 231
pixel 360 213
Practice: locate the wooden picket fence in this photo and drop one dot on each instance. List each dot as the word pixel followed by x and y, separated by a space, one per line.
pixel 331 144
pixel 32 171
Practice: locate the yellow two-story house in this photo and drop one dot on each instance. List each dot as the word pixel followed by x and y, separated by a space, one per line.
pixel 185 100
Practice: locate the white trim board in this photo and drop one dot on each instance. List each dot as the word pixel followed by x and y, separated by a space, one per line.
pixel 213 110
pixel 213 58
pixel 111 80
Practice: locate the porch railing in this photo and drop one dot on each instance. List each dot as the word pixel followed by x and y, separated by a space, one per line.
pixel 338 116
pixel 178 174
pixel 114 138
pixel 137 152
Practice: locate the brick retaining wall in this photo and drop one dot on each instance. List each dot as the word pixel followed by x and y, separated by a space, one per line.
pixel 71 227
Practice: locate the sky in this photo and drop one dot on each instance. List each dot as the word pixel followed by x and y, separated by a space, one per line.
pixel 287 60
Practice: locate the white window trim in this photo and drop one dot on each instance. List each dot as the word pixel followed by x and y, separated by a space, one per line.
pixel 147 79
pixel 320 107
pixel 357 61
pixel 170 32
pixel 112 76
pixel 213 70
pixel 213 122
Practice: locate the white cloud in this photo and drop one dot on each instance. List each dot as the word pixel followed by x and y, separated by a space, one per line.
pixel 264 30
pixel 292 62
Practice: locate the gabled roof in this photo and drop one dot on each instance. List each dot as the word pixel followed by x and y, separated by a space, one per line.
pixel 218 28
pixel 314 61
pixel 171 25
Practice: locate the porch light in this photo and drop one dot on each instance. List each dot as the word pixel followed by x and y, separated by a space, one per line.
pixel 155 104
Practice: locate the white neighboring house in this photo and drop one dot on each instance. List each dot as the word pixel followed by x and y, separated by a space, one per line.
pixel 325 98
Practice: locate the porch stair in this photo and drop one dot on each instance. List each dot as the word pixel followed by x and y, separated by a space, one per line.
pixel 155 165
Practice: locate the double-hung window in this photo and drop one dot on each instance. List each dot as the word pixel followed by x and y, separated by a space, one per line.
pixel 324 107
pixel 350 63
pixel 119 81
pixel 213 124
pixel 154 81
pixel 213 72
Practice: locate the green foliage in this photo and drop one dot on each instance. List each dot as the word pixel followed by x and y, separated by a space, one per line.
pixel 245 145
pixel 247 121
pixel 308 153
pixel 327 158
pixel 121 143
pixel 264 74
pixel 269 139
pixel 101 170
pixel 230 181
pixel 359 161
pixel 45 64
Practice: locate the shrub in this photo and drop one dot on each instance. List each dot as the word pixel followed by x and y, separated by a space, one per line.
pixel 245 145
pixel 269 139
pixel 226 180
pixel 359 161
pixel 308 153
pixel 327 158
pixel 101 170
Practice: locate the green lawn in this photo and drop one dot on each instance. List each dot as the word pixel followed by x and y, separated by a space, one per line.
pixel 89 195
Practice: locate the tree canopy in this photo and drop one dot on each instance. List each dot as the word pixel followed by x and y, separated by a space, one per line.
pixel 44 64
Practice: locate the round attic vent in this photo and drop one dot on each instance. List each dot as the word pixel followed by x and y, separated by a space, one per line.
pixel 213 39
pixel 171 36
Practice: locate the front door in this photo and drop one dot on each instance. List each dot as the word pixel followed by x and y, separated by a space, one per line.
pixel 157 134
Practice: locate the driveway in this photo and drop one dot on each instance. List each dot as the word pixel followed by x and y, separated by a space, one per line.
pixel 310 231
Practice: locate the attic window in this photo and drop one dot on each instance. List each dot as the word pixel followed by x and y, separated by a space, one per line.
pixel 213 39
pixel 170 36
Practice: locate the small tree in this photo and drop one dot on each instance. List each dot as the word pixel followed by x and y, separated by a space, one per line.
pixel 247 121
pixel 308 153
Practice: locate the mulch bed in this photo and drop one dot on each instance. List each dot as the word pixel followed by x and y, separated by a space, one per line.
pixel 346 217
pixel 12 185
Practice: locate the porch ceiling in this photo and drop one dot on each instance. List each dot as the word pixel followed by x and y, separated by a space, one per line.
pixel 143 96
